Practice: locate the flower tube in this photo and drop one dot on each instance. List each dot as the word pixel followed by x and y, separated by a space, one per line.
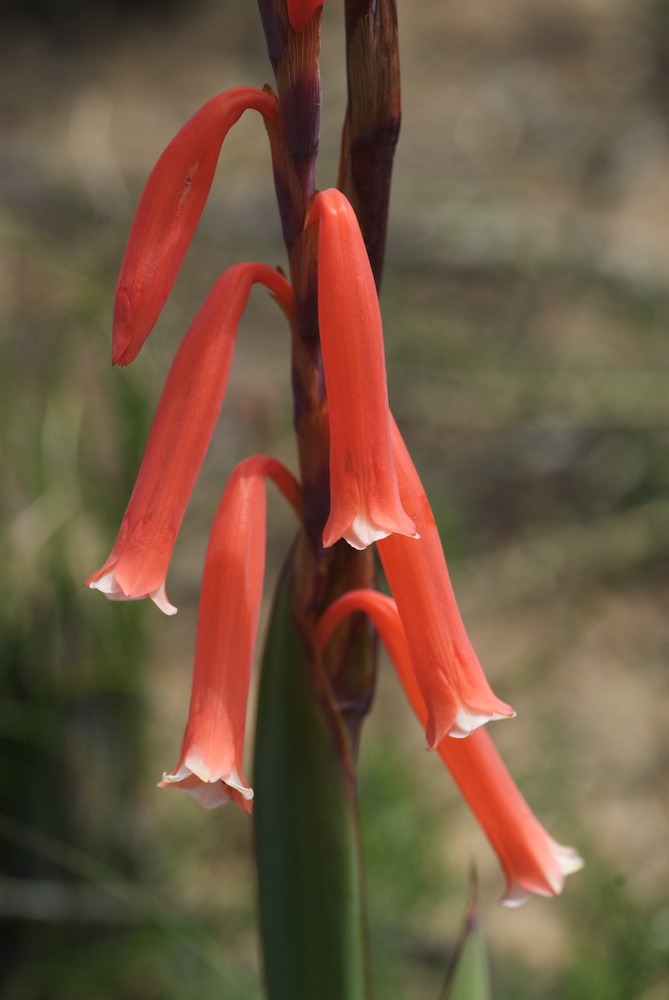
pixel 182 429
pixel 210 763
pixel 365 503
pixel 453 685
pixel 168 212
pixel 532 861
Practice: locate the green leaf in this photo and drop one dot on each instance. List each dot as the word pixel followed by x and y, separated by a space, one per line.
pixel 306 827
pixel 468 977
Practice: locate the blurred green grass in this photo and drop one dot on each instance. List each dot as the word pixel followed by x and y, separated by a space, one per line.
pixel 526 306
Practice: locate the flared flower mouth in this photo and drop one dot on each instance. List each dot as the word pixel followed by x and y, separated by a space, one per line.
pixel 210 790
pixel 556 864
pixel 108 584
pixel 363 531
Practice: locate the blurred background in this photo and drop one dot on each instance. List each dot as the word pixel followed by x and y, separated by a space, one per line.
pixel 526 302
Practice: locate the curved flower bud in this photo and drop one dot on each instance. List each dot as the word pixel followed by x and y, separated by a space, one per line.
pixel 365 503
pixel 168 212
pixel 300 13
pixel 182 428
pixel 210 763
pixel 532 861
pixel 454 687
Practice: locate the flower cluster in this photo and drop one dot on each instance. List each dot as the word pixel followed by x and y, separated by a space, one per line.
pixel 375 497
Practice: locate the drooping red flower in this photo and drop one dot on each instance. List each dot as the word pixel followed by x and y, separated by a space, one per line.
pixel 182 428
pixel 210 763
pixel 365 503
pixel 168 212
pixel 300 12
pixel 532 861
pixel 453 685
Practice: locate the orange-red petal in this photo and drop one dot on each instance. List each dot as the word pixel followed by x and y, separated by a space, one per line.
pixel 182 428
pixel 532 861
pixel 210 763
pixel 168 212
pixel 453 685
pixel 364 499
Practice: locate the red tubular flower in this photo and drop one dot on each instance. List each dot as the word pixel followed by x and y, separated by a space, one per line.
pixel 300 13
pixel 210 763
pixel 532 861
pixel 167 214
pixel 180 435
pixel 453 685
pixel 365 502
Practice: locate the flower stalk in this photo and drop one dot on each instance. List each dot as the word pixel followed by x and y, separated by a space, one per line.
pixel 372 122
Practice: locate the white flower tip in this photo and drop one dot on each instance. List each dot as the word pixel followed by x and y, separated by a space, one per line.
pixel 108 585
pixel 469 719
pixel 235 780
pixel 209 789
pixel 159 598
pixel 364 531
pixel 362 534
pixel 173 779
pixel 209 795
pixel 568 859
pixel 567 862
pixel 515 895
